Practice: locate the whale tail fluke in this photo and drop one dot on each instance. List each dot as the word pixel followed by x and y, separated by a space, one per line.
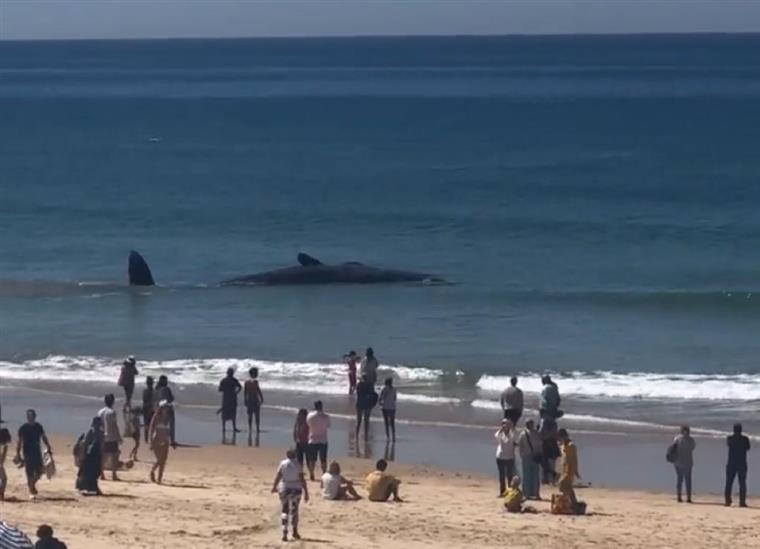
pixel 139 272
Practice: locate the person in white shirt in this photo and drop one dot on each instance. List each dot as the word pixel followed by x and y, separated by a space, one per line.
pixel 111 436
pixel 506 441
pixel 335 486
pixel 318 422
pixel 388 406
pixel 290 483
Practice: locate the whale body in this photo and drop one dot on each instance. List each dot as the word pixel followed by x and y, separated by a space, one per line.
pixel 308 271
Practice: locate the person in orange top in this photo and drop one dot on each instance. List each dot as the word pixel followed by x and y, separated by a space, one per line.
pixel 569 467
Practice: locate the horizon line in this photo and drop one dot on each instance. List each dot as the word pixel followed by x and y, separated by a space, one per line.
pixel 386 36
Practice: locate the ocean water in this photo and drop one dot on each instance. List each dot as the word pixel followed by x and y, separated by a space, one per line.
pixel 592 200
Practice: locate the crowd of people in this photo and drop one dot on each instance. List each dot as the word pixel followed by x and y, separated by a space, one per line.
pixel 538 444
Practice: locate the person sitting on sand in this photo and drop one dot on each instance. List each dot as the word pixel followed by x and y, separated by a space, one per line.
pixel 513 497
pixel 160 440
pixel 335 486
pixel 111 436
pixel 253 398
pixel 380 485
pixel 229 387
pixel 46 539
pixel 127 377
pixel 29 436
pixel 290 483
pixel 683 460
pixel 569 467
pixel 90 459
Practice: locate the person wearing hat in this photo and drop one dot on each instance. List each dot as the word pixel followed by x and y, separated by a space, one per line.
pixel 127 377
pixel 352 361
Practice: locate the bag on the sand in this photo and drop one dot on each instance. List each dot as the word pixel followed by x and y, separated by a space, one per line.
pixel 48 465
pixel 561 505
pixel 672 454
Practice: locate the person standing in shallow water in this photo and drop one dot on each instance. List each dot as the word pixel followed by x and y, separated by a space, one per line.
pixel 738 446
pixel 683 461
pixel 366 399
pixel 352 361
pixel 229 387
pixel 512 402
pixel 387 402
pixel 254 398
pixel 127 377
pixel 369 366
pixel 164 393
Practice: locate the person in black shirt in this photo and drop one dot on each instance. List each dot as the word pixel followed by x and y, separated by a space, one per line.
pixel 366 399
pixel 46 539
pixel 229 387
pixel 738 446
pixel 29 436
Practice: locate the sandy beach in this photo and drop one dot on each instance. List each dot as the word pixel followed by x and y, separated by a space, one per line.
pixel 219 496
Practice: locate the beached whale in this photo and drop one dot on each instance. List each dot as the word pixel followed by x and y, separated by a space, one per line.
pixel 308 271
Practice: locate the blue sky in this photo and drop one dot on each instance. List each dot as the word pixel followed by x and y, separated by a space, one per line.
pixel 35 19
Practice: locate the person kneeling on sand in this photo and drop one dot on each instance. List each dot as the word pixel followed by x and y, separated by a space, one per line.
pixel 569 472
pixel 335 486
pixel 514 498
pixel 46 539
pixel 380 485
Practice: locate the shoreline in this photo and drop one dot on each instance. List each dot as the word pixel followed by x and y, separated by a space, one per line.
pixel 626 460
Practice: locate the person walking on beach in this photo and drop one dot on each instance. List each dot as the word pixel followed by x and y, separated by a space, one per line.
pixel 290 484
pixel 229 387
pixel 301 435
pixel 253 398
pixel 530 456
pixel 570 470
pixel 90 459
pixel 352 361
pixel 366 399
pixel 111 436
pixel 369 366
pixel 550 399
pixel 318 422
pixel 148 404
pixel 164 393
pixel 738 446
pixel 683 460
pixel 387 401
pixel 29 436
pixel 160 440
pixel 506 440
pixel 127 377
pixel 512 402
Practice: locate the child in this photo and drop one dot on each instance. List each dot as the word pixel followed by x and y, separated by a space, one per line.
pixel 388 405
pixel 135 431
pixel 513 497
pixel 5 440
